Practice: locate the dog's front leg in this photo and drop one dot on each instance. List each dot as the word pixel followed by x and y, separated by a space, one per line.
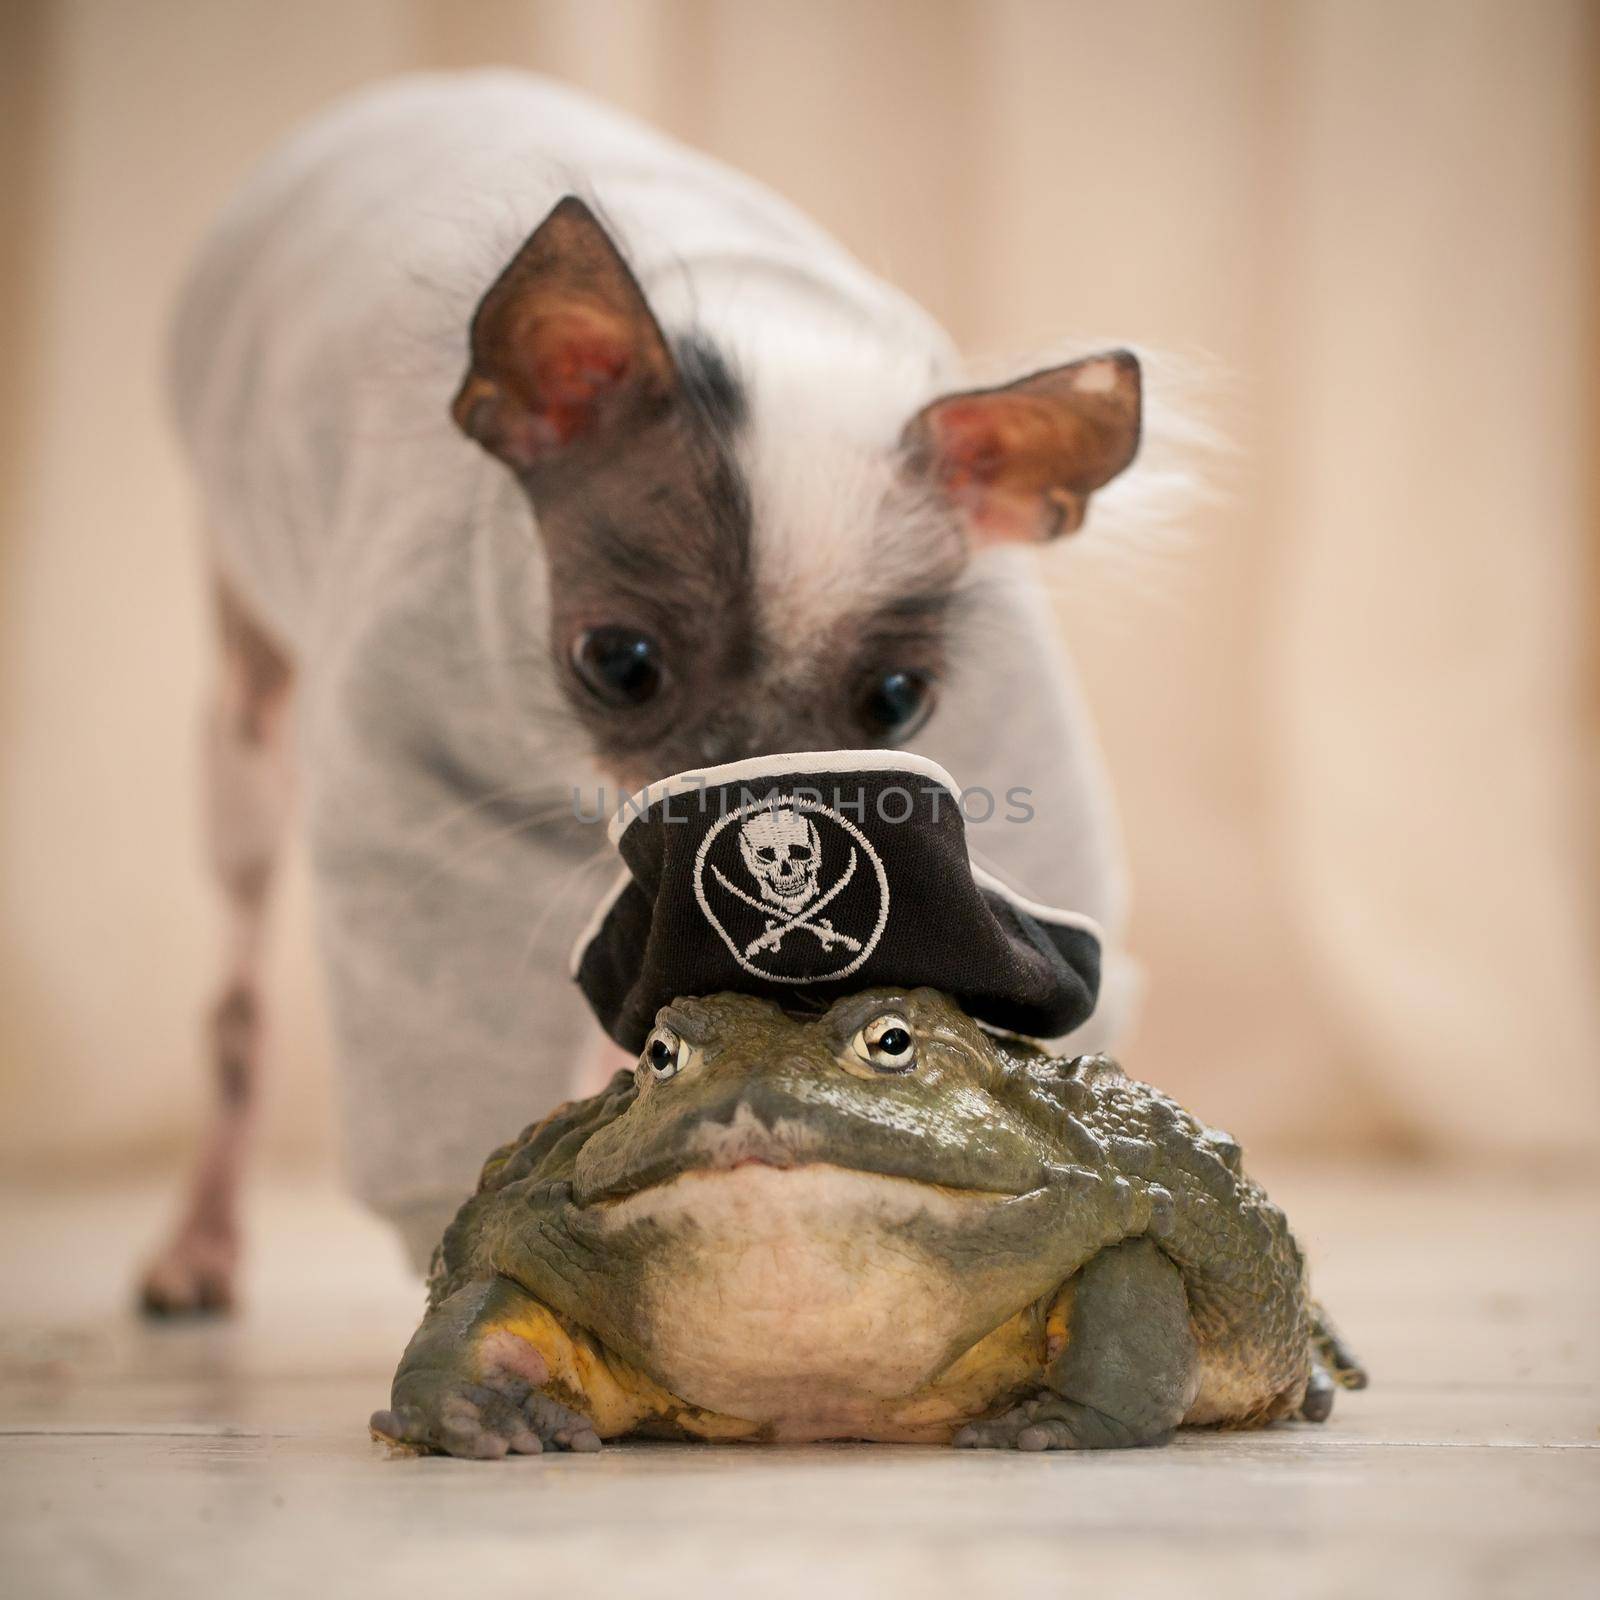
pixel 248 782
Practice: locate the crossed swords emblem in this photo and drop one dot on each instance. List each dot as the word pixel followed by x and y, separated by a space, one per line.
pixel 809 917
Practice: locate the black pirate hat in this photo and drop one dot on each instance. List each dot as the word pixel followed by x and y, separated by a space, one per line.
pixel 807 877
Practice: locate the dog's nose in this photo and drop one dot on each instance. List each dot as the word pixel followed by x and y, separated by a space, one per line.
pixel 723 741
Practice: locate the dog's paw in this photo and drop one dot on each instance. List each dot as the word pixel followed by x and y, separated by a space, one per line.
pixel 193 1275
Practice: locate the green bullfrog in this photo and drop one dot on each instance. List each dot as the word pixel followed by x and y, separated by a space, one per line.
pixel 878 1222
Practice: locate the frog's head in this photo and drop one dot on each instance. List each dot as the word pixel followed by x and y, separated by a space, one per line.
pixel 892 1084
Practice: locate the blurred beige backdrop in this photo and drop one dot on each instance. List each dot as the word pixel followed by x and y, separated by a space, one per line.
pixel 1351 712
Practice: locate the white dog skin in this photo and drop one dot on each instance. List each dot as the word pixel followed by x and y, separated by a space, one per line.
pixel 686 484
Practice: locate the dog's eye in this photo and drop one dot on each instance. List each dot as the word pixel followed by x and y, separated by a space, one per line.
pixel 886 1044
pixel 618 666
pixel 664 1054
pixel 893 705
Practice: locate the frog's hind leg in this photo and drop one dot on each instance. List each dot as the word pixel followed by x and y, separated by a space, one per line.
pixel 1127 1368
pixel 1343 1365
pixel 1335 1366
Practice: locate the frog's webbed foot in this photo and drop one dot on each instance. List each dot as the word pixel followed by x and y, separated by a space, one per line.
pixel 1049 1422
pixel 478 1391
pixel 484 1423
pixel 1126 1372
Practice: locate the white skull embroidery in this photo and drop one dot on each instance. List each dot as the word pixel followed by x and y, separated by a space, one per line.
pixel 780 846
pixel 783 853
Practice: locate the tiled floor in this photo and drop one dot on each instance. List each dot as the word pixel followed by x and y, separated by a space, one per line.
pixel 233 1459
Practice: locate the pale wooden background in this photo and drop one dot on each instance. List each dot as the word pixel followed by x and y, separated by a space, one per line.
pixel 1350 711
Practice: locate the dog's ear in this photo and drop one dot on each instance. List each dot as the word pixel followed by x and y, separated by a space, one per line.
pixel 565 349
pixel 1020 462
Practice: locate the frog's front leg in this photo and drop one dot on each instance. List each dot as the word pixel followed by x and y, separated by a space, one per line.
pixel 1123 1365
pixel 490 1371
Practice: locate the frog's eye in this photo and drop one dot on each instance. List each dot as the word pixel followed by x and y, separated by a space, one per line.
pixel 664 1054
pixel 886 1044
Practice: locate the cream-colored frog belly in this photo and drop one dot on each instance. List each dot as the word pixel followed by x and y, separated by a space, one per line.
pixel 797 1298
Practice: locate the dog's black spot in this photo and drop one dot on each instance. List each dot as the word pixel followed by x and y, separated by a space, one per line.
pixel 709 384
pixel 234 1027
pixel 234 1078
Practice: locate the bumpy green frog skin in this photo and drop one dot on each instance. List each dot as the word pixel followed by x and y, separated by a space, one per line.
pixel 876 1223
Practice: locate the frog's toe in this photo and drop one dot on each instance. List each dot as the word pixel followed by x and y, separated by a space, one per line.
pixel 1078 1433
pixel 1006 1431
pixel 474 1427
pixel 993 1435
pixel 386 1425
pixel 404 1427
pixel 478 1424
pixel 1047 1436
pixel 559 1426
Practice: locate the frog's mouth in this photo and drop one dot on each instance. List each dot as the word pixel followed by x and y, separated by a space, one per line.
pixel 808 1204
pixel 747 1144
